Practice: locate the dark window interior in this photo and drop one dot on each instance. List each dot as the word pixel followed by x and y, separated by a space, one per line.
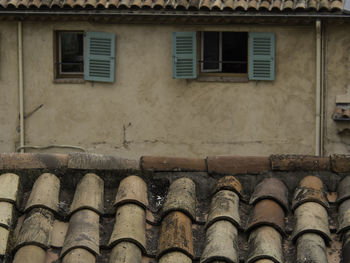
pixel 211 41
pixel 234 52
pixel 71 52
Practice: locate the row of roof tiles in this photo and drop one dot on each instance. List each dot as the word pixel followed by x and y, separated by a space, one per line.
pixel 192 5
pixel 212 164
pixel 76 237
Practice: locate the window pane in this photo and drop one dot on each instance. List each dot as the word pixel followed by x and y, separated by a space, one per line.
pixel 211 50
pixel 235 52
pixel 71 52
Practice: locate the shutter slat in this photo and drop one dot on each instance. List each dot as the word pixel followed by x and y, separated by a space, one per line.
pixel 261 56
pixel 99 57
pixel 184 55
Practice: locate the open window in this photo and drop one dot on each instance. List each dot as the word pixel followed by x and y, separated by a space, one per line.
pixel 224 54
pixel 85 55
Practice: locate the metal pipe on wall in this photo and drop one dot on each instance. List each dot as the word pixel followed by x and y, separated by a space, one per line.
pixel 319 115
pixel 20 83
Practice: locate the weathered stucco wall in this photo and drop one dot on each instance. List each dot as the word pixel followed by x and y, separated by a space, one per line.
pixel 8 87
pixel 146 111
pixel 337 134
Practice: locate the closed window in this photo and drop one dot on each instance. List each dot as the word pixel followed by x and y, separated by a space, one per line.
pixel 85 55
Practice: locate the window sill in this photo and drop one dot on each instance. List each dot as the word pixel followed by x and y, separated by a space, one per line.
pixel 69 81
pixel 234 79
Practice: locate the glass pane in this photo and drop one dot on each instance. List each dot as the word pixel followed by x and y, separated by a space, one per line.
pixel 235 52
pixel 211 50
pixel 71 44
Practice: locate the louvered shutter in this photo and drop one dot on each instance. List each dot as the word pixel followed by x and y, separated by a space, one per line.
pixel 99 56
pixel 184 55
pixel 261 56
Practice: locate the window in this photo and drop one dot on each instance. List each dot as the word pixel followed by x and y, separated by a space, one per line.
pixel 223 54
pixel 89 56
pixel 70 54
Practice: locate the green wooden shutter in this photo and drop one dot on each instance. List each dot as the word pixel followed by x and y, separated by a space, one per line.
pixel 99 56
pixel 261 56
pixel 184 55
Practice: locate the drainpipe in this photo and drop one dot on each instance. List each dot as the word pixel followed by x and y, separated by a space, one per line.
pixel 20 85
pixel 319 90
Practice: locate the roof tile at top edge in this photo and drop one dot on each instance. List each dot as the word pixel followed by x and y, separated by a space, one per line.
pixel 89 194
pixel 132 189
pixel 299 162
pixel 206 5
pixel 271 188
pixel 181 197
pixel 32 161
pixel 168 164
pixel 45 193
pixel 238 164
pixel 340 163
pixel 310 189
pixel 99 161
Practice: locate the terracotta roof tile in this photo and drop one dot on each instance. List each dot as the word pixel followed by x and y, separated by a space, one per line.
pixel 89 194
pixel 176 234
pixel 346 247
pixel 340 163
pixel 344 189
pixel 83 232
pixel 229 183
pixel 175 257
pixel 311 217
pixel 30 253
pixel 45 193
pixel 4 235
pixel 344 216
pixel 311 248
pixel 125 252
pixel 265 243
pixel 310 189
pixel 130 225
pixel 132 190
pixel 6 214
pixel 79 255
pixel 221 243
pixel 181 197
pixel 36 229
pixel 185 222
pixel 9 184
pixel 237 164
pixel 271 188
pixel 59 233
pixel 297 162
pixel 224 206
pixel 173 164
pixel 266 213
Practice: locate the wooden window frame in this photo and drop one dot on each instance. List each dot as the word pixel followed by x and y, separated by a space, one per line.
pixel 57 50
pixel 218 76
